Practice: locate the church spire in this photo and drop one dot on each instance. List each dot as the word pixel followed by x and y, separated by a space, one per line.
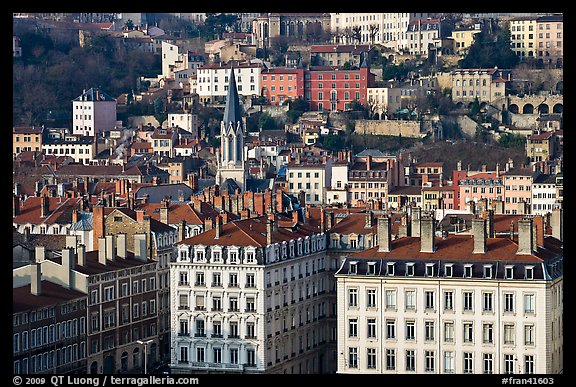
pixel 232 111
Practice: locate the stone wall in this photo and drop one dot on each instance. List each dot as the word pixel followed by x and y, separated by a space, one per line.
pixel 389 128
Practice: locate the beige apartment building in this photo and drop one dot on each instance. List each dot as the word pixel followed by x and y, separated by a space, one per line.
pixel 457 304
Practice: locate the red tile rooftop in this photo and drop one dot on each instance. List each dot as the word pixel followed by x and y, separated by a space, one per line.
pixel 454 248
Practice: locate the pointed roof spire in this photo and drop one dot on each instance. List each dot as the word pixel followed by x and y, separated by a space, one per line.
pixel 364 63
pixel 232 111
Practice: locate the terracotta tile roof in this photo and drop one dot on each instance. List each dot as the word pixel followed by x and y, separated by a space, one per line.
pixel 179 212
pixel 355 223
pixel 249 232
pixel 59 209
pixel 453 248
pixel 541 136
pixel 51 294
pixel 429 164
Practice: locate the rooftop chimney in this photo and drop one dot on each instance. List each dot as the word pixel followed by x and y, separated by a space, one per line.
pixel 512 230
pixel 81 255
pixel 384 234
pixel 428 231
pixel 479 235
pixel 40 254
pixel 557 223
pixel 140 250
pixel 489 216
pixel 110 248
pixel 44 206
pixel 15 205
pixel 330 220
pixel 218 227
pixel 182 230
pixel 68 264
pixel 525 240
pixel 121 247
pixel 295 216
pixel 269 231
pixel 404 229
pixel 415 220
pixel 36 279
pixel 102 251
pixel 164 211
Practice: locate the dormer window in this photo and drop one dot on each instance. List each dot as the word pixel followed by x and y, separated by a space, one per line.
pixel 487 271
pixel 390 268
pixel 410 269
pixel 353 268
pixel 371 268
pixel 429 270
pixel 509 272
pixel 468 271
pixel 529 272
pixel 448 270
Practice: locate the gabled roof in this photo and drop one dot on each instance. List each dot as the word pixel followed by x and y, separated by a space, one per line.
pixel 94 94
pixel 59 211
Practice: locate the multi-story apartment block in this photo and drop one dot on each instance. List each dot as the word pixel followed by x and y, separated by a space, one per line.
pixel 421 35
pixel 49 326
pixel 121 310
pixel 338 54
pixel 338 192
pixel 460 304
pixel 464 38
pixel 550 30
pixel 488 85
pixel 388 29
pixel 384 101
pixel 163 141
pixel 438 198
pixel 251 296
pixel 541 146
pixel 186 121
pixel 82 149
pixel 311 175
pixel 332 88
pixel 523 36
pixel 213 80
pixel 476 185
pixel 544 194
pixel 93 112
pixel 26 138
pixel 158 239
pixel 518 190
pixel 372 175
pixel 175 59
pixel 280 84
pixel 421 173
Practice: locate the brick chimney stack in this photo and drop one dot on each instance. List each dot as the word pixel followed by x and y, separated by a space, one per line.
pixel 479 235
pixel 525 239
pixel 384 234
pixel 44 206
pixel 428 231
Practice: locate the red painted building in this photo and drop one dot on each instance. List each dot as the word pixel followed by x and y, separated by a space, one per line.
pixel 331 88
pixel 281 83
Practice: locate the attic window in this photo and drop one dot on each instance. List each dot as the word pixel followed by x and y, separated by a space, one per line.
pixel 468 271
pixel 353 268
pixel 509 272
pixel 529 272
pixel 448 270
pixel 488 271
pixel 371 268
pixel 390 268
pixel 410 269
pixel 117 218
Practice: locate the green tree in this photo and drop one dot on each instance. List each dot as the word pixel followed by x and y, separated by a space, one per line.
pixel 512 140
pixel 266 121
pixel 129 25
pixel 333 142
pixel 159 110
pixel 489 51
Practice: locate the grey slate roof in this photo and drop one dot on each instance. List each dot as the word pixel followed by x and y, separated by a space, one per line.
pixel 157 193
pixel 90 95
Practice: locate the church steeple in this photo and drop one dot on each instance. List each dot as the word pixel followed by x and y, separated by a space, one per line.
pixel 232 111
